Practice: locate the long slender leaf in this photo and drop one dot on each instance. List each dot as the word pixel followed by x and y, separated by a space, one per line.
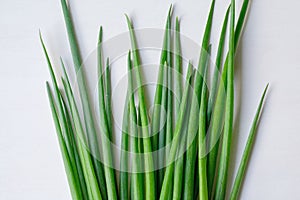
pixel 61 115
pixel 149 165
pixel 194 114
pixel 124 191
pixel 141 161
pixel 76 153
pixel 217 69
pixel 163 131
pixel 158 128
pixel 180 161
pixel 155 125
pixel 212 98
pixel 85 157
pixel 104 129
pixel 87 112
pixel 247 151
pixel 229 113
pixel 191 155
pixel 203 191
pixel 169 107
pixel 79 144
pixel 170 89
pixel 136 176
pixel 136 186
pixel 178 67
pixel 216 122
pixel 108 98
pixel 73 183
pixel 65 129
pixel 167 183
pixel 169 127
pixel 238 32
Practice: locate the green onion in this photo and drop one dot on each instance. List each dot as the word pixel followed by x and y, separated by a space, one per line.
pixel 178 68
pixel 125 140
pixel 160 102
pixel 136 176
pixel 217 69
pixel 85 158
pixel 155 125
pixel 212 102
pixel 74 145
pixel 203 189
pixel 107 83
pixel 245 157
pixel 194 114
pixel 169 107
pixel 87 112
pixel 197 114
pixel 73 181
pixel 62 118
pixel 180 159
pixel 163 125
pixel 89 172
pixel 141 161
pixel 104 129
pixel 217 116
pixel 229 112
pixel 167 183
pixel 149 174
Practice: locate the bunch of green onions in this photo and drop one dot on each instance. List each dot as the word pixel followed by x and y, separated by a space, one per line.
pixel 198 127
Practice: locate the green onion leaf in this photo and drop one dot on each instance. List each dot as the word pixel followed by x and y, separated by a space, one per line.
pixel 247 151
pixel 149 165
pixel 180 159
pixel 87 112
pixel 229 113
pixel 84 154
pixel 73 182
pixel 167 183
pixel 125 139
pixel 155 125
pixel 104 130
pixel 217 117
pixel 194 114
pixel 136 176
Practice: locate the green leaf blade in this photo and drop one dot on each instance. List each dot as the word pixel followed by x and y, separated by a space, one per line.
pixel 167 183
pixel 87 112
pixel 124 191
pixel 149 164
pixel 85 157
pixel 73 181
pixel 180 161
pixel 217 116
pixel 229 113
pixel 195 106
pixel 247 150
pixel 105 129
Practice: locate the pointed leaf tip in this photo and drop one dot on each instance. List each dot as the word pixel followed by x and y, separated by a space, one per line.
pixel 129 23
pixel 170 10
pixel 41 37
pixel 100 36
pixel 40 32
pixel 266 89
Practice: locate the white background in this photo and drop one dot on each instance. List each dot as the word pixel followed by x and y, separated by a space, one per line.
pixel 30 161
